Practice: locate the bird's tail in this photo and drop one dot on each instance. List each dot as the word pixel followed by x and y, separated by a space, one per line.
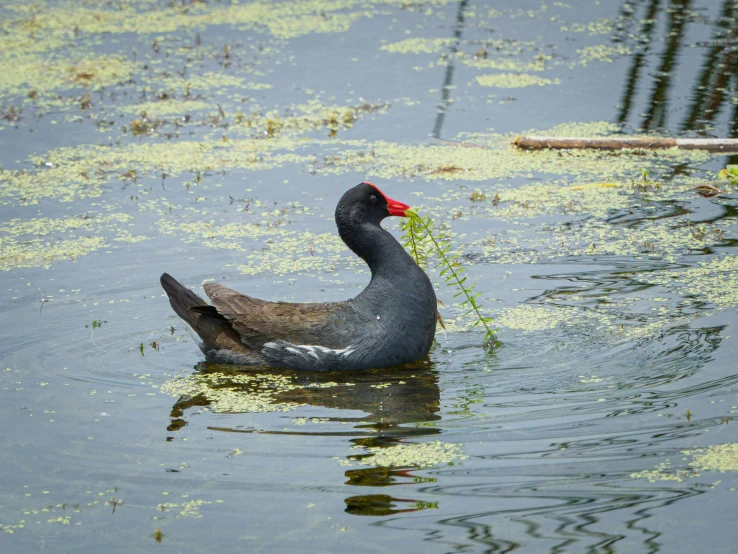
pixel 182 299
pixel 212 332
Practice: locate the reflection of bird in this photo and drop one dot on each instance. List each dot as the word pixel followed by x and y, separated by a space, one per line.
pixel 391 398
pixel 399 404
pixel 392 321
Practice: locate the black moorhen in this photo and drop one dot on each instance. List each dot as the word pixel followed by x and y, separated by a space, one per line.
pixel 392 321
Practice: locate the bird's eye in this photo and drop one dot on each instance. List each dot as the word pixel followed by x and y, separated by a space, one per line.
pixel 373 199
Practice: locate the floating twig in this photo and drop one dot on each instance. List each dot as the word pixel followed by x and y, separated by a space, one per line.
pixel 708 191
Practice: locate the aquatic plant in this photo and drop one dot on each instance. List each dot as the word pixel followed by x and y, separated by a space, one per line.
pixel 420 238
pixel 730 173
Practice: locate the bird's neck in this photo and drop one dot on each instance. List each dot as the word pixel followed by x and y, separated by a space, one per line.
pixel 378 248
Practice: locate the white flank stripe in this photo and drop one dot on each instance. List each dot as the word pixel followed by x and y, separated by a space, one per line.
pixel 315 350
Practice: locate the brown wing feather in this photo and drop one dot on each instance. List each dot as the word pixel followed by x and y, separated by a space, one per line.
pixel 259 322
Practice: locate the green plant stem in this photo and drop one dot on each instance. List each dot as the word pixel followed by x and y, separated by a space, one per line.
pixel 413 243
pixel 490 335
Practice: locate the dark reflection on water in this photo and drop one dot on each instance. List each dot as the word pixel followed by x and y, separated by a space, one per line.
pixel 655 117
pixel 383 505
pixel 413 399
pixel 710 94
pixel 639 58
pixel 448 78
pixel 719 67
pixel 399 405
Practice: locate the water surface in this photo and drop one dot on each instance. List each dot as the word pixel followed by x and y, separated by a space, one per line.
pixel 212 140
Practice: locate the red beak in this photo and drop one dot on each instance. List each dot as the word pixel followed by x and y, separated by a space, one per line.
pixel 397 208
pixel 393 206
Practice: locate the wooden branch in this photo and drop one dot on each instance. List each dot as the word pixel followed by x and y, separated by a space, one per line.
pixel 618 143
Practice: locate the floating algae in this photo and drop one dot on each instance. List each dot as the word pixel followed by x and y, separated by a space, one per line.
pixel 505 64
pixel 419 45
pixel 82 171
pixel 514 80
pixel 187 509
pixel 419 455
pixel 719 457
pixel 602 53
pixel 664 472
pixel 603 26
pixel 167 107
pixel 41 76
pixel 243 392
pixel 29 243
pixel 40 508
pixel 209 81
pixel 301 118
pixel 714 282
pixel 534 318
pixel 283 20
pixel 235 393
pixel 50 48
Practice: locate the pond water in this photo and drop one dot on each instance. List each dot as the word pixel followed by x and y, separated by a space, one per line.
pixel 212 140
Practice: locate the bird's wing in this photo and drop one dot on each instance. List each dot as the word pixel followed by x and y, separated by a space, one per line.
pixel 259 322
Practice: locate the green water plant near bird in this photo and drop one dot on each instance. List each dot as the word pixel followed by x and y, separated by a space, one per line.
pixel 422 238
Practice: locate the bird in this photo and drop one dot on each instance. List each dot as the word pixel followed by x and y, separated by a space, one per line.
pixel 390 322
